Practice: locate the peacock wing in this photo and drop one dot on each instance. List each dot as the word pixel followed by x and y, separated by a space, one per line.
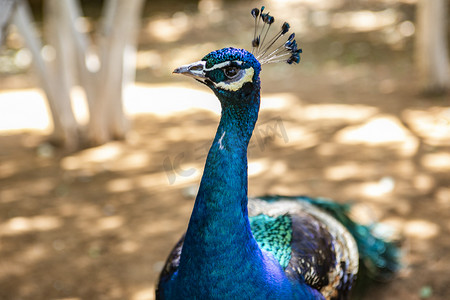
pixel 311 246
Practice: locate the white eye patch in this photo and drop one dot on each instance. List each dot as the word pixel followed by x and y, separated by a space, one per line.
pixel 245 75
pixel 224 64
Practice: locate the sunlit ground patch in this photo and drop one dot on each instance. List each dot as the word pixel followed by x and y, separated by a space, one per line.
pixel 421 229
pixel 339 112
pixel 437 162
pixel 23 110
pixel 27 109
pixel 144 294
pixel 18 225
pixel 433 124
pixel 381 131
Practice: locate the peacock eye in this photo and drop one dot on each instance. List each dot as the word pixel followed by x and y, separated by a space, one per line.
pixel 231 72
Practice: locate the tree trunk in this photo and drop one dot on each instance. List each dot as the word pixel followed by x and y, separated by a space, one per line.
pixel 117 48
pixel 88 73
pixel 102 72
pixel 6 9
pixel 65 127
pixel 104 85
pixel 431 46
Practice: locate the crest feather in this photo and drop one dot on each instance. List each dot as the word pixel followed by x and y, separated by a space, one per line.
pixel 272 51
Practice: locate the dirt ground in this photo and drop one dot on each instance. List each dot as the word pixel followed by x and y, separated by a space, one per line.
pixel 348 123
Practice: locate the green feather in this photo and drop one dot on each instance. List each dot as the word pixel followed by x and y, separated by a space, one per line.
pixel 273 234
pixel 381 258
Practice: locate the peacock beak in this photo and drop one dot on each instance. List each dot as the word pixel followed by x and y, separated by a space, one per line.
pixel 195 70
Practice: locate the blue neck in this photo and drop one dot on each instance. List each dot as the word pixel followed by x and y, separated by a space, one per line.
pixel 219 250
pixel 222 196
pixel 219 235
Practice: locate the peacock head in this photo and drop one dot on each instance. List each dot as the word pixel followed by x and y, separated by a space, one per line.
pixel 226 71
pixel 231 72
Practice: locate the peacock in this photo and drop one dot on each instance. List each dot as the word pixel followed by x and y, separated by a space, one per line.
pixel 270 247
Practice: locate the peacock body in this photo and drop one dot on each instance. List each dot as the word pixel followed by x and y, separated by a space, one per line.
pixel 272 247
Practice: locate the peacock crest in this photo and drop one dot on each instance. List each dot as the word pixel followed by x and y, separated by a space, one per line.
pixel 270 50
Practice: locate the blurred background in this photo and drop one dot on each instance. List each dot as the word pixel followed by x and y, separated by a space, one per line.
pixel 102 148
